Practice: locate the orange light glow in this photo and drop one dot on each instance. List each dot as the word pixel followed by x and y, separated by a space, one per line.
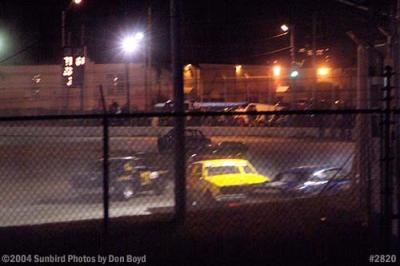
pixel 276 71
pixel 323 71
pixel 238 69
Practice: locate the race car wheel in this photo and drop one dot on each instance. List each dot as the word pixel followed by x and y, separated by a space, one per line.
pixel 125 191
pixel 208 201
pixel 191 201
pixel 196 200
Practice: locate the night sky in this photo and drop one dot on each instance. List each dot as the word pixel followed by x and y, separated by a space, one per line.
pixel 214 31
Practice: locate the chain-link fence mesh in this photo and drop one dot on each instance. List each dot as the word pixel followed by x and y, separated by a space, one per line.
pixel 288 176
pixel 305 168
pixel 42 164
pixel 144 177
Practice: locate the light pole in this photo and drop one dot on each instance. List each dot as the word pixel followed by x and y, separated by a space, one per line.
pixel 130 45
pixel 64 44
pixel 291 30
pixel 1 44
pixel 293 75
pixel 148 59
pixel 63 18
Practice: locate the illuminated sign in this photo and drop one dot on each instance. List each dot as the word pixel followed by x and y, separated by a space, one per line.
pixel 73 68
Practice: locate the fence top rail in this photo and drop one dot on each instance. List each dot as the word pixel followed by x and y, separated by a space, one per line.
pixel 197 114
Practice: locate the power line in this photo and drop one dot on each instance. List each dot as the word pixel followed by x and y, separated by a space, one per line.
pixel 19 52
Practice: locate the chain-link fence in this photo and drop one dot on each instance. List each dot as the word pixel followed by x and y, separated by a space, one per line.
pixel 310 167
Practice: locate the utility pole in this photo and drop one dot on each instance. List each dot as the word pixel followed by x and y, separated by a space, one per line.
pixel 63 106
pixel 387 160
pixel 396 55
pixel 362 127
pixel 126 66
pixel 63 29
pixel 149 46
pixel 82 89
pixel 314 55
pixel 148 73
pixel 390 200
pixel 363 130
pixel 128 87
pixel 292 44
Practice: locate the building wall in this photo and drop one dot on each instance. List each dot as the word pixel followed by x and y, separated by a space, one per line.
pixel 258 84
pixel 31 89
pixel 34 89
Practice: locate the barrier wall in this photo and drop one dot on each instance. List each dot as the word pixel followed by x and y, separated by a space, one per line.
pixel 157 131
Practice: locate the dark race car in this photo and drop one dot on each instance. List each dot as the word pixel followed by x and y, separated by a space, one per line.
pixel 307 181
pixel 194 140
pixel 128 176
pixel 230 149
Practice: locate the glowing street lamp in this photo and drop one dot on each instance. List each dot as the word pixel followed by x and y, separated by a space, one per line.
pixel 131 43
pixel 77 2
pixel 139 36
pixel 294 74
pixel 323 71
pixel 290 29
pixel 276 71
pixel 285 28
pixel 187 67
pixel 238 69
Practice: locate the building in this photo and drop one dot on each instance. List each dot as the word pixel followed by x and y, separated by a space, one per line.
pixel 268 84
pixel 40 89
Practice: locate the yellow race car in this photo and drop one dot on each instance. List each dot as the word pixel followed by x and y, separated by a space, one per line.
pixel 221 181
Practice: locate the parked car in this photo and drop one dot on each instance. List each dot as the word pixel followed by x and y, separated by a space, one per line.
pixel 194 140
pixel 214 181
pixel 128 176
pixel 254 120
pixel 168 106
pixel 307 181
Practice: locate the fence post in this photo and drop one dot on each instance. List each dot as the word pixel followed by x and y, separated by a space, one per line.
pixel 176 57
pixel 362 131
pixel 387 161
pixel 105 175
pixel 105 165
